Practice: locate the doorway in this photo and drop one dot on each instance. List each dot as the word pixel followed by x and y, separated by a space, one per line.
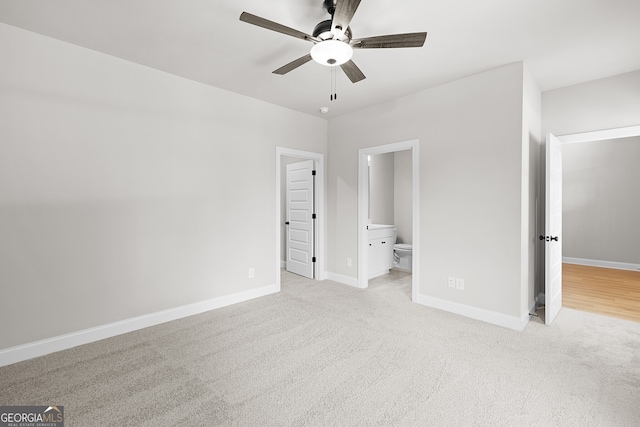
pixel 554 258
pixel 363 210
pixel 284 156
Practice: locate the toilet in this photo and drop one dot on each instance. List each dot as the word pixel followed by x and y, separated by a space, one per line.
pixel 402 254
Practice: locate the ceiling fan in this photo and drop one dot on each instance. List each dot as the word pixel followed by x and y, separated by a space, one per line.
pixel 332 39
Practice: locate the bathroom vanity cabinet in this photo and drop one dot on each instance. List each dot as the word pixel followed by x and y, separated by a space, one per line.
pixel 381 240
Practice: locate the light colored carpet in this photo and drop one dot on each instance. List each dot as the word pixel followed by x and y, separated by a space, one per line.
pixel 321 353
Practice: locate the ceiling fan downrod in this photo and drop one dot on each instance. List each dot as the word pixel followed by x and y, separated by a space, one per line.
pixel 330 6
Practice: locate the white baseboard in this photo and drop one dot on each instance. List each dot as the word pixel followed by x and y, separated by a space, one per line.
pixel 605 264
pixel 63 342
pixel 378 274
pixel 345 280
pixel 488 316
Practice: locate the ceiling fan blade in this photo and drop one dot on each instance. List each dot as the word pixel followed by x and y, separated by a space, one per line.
pixel 293 65
pixel 345 9
pixel 274 26
pixel 352 71
pixel 390 41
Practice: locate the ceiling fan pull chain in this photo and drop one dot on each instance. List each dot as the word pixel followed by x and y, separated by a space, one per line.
pixel 333 92
pixel 331 84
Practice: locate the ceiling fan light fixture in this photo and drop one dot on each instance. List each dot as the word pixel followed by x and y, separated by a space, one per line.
pixel 331 52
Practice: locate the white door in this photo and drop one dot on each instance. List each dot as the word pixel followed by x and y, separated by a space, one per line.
pixel 553 230
pixel 300 222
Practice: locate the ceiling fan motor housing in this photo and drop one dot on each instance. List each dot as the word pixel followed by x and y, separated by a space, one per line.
pixel 323 32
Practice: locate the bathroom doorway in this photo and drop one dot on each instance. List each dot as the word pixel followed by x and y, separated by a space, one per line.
pixel 286 156
pixel 364 204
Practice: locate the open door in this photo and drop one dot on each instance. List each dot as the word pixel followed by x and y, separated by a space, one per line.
pixel 300 222
pixel 553 230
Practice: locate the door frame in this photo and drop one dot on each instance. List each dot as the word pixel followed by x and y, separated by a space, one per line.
pixel 319 204
pixel 614 133
pixel 604 134
pixel 363 202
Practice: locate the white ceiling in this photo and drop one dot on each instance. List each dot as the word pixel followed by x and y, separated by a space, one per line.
pixel 563 42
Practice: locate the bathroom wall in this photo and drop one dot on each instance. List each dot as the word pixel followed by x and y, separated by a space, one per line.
pixel 381 188
pixel 601 202
pixel 403 195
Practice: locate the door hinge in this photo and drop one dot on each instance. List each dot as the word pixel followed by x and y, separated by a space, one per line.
pixel 313 172
pixel 313 259
pixel 313 216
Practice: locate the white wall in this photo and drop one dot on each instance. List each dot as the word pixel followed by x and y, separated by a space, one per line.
pixel 403 195
pixel 381 188
pixel 471 185
pixel 607 103
pixel 125 190
pixel 601 202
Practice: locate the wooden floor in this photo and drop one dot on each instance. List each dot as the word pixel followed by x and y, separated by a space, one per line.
pixel 606 291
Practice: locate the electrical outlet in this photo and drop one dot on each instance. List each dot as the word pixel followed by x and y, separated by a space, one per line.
pixel 251 273
pixel 348 262
pixel 460 284
pixel 452 282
